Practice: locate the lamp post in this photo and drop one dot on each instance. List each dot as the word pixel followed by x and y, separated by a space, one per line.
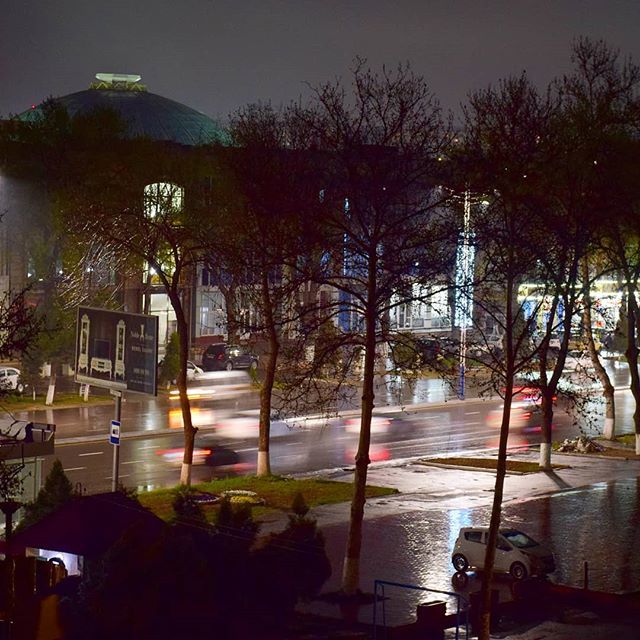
pixel 465 291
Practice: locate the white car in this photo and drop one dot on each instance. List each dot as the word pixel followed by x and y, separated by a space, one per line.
pixel 215 385
pixel 193 370
pixel 516 553
pixel 10 379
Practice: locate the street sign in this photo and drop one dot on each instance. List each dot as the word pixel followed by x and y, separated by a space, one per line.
pixel 114 434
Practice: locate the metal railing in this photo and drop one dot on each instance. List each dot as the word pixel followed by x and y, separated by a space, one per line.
pixel 379 594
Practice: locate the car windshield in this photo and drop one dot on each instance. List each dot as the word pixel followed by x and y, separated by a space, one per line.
pixel 519 539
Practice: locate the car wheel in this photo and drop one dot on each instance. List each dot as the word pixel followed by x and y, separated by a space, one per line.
pixel 459 580
pixel 19 387
pixel 253 366
pixel 229 366
pixel 460 562
pixel 518 571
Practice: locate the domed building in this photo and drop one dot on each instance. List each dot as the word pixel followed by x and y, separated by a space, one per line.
pixel 143 116
pixel 146 115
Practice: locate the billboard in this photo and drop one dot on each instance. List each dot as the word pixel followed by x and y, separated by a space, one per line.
pixel 117 350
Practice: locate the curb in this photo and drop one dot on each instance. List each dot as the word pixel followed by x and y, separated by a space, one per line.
pixel 464 467
pixel 131 435
pixel 596 455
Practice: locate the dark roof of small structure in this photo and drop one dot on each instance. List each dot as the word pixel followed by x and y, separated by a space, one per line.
pixel 20 439
pixel 88 525
pixel 145 114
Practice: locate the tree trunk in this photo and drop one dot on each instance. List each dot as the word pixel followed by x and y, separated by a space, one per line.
pixel 231 312
pixel 484 618
pixel 609 430
pixel 189 430
pixel 632 358
pixel 146 293
pixel 351 565
pixel 549 386
pixel 51 390
pixel 547 422
pixel 264 462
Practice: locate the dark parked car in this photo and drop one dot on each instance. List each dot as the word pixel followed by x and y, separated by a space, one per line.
pixel 218 357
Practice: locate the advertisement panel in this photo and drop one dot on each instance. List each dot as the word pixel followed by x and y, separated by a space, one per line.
pixel 117 350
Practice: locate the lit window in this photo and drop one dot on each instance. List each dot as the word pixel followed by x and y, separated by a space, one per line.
pixel 162 198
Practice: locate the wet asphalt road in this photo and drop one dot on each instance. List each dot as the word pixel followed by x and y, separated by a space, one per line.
pixel 227 443
pixel 429 422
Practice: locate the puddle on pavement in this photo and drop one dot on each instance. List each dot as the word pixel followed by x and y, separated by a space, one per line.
pixel 598 525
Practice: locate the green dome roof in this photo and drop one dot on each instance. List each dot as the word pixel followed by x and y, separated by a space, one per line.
pixel 145 114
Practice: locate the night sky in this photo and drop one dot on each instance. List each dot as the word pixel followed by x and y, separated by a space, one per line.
pixel 217 56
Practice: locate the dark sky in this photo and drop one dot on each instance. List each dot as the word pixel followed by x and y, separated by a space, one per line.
pixel 218 55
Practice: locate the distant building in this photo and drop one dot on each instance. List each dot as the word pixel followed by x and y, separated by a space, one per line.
pixel 146 116
pixel 173 127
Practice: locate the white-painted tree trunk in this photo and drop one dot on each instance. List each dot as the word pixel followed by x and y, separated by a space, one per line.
pixel 51 392
pixel 545 455
pixel 638 444
pixel 263 468
pixel 350 575
pixel 609 429
pixel 185 474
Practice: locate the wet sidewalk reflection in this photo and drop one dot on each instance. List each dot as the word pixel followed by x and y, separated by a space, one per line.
pixel 598 525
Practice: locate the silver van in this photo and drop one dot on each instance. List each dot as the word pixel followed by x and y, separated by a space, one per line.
pixel 516 553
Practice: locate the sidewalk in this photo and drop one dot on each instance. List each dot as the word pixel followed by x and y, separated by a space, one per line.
pixel 425 490
pixel 420 483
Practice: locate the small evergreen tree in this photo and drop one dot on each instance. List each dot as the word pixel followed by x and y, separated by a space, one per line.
pixel 30 367
pixel 290 566
pixel 57 491
pixel 171 362
pixel 235 521
pixel 187 510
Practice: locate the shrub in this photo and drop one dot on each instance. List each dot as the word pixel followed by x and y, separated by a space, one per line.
pixel 295 560
pixel 171 363
pixel 186 509
pixel 57 491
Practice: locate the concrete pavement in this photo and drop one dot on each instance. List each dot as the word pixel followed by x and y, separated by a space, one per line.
pixel 430 502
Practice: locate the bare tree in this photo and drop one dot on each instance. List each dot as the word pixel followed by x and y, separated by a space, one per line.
pixel 159 229
pixel 264 204
pixel 506 128
pixel 383 224
pixel 588 276
pixel 601 105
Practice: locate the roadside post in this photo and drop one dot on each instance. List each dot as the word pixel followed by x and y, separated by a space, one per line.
pixel 117 351
pixel 114 439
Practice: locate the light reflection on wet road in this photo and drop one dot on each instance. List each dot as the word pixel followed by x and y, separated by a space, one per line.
pixel 599 524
